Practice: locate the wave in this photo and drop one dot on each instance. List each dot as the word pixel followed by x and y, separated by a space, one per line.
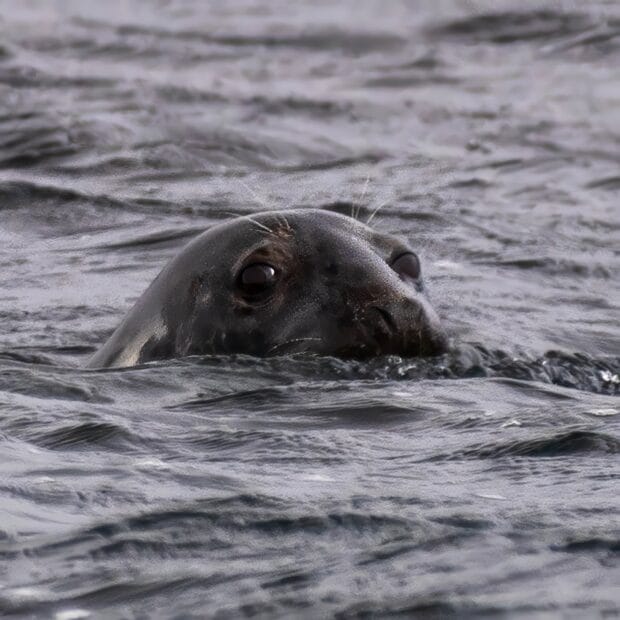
pixel 566 443
pixel 514 26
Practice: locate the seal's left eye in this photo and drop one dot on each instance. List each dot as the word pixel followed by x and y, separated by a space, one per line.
pixel 257 278
pixel 407 266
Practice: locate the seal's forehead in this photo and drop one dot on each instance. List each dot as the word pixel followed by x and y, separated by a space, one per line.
pixel 303 222
pixel 297 229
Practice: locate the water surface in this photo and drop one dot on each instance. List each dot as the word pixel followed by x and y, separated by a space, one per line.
pixel 481 482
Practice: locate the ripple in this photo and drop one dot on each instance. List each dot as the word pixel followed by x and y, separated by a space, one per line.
pixel 332 39
pixel 585 545
pixel 29 77
pixel 156 240
pixel 508 27
pixel 568 443
pixel 34 384
pixel 553 266
pixel 28 195
pixel 608 183
pixel 87 434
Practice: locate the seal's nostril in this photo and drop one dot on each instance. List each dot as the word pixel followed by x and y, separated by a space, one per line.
pixel 387 318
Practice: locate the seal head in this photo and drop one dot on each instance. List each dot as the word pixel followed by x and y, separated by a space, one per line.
pixel 282 282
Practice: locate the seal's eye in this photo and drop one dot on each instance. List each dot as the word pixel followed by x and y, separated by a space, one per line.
pixel 257 278
pixel 407 266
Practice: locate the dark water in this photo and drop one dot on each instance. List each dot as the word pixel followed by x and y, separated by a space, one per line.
pixel 482 483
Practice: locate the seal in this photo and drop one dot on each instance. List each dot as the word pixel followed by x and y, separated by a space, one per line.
pixel 282 282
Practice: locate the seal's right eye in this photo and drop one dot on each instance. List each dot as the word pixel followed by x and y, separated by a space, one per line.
pixel 257 278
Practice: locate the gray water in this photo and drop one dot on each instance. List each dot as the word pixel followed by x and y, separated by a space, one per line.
pixel 480 483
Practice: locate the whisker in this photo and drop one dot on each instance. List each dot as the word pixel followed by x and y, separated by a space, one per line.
pixel 282 217
pixel 292 341
pixel 249 217
pixel 365 188
pixel 363 194
pixel 372 215
pixel 258 199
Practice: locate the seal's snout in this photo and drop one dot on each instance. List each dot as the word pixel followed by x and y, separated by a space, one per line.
pixel 423 328
pixel 386 320
pixel 402 325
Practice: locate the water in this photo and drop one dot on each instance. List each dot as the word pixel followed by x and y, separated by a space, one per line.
pixel 481 482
